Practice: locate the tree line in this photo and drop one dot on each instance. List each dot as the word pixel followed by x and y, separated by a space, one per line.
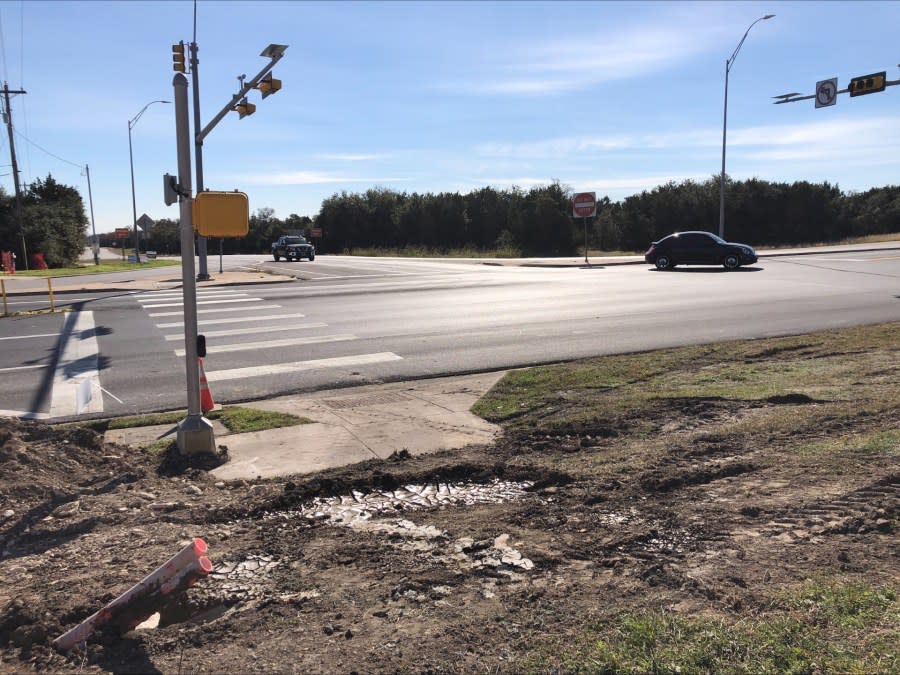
pixel 511 222
pixel 49 221
pixel 538 221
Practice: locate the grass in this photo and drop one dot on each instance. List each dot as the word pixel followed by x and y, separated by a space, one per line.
pixel 822 404
pixel 237 419
pixel 821 627
pixel 103 267
pixel 815 367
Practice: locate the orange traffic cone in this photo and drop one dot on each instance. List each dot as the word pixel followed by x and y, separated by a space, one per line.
pixel 206 399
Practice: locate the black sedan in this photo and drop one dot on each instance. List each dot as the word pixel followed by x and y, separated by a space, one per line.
pixel 698 248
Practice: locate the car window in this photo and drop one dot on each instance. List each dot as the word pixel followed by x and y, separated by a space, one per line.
pixel 689 239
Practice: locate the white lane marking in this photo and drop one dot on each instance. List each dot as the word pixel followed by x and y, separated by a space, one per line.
pixel 203 302
pixel 213 309
pixel 229 294
pixel 24 415
pixel 301 366
pixel 9 370
pixel 254 330
pixel 243 319
pixel 25 337
pixel 77 369
pixel 245 346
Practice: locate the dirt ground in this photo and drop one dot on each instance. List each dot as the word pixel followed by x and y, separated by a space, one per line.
pixel 485 559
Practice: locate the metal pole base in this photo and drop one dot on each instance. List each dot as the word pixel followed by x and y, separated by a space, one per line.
pixel 195 435
pixel 203 277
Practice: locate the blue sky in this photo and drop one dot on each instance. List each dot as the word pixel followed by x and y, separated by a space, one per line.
pixel 448 96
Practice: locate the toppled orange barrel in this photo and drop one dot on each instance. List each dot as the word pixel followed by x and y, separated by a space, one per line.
pixel 144 598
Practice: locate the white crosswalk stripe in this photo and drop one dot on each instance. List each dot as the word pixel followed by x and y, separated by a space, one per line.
pixel 213 307
pixel 251 330
pixel 301 366
pixel 270 344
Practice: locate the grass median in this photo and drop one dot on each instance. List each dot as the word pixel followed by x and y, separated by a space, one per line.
pixel 765 474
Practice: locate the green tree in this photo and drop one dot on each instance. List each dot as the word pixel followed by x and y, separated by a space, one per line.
pixel 54 221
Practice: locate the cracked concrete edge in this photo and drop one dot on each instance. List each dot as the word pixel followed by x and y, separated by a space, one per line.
pixel 350 425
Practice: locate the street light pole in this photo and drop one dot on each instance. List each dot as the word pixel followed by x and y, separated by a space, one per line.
pixel 131 124
pixel 728 63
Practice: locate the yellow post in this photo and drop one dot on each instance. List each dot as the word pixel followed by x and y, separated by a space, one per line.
pixel 3 291
pixel 50 293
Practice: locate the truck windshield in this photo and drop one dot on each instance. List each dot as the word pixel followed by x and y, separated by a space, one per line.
pixel 294 240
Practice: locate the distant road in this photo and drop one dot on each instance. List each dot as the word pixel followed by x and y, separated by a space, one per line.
pixel 348 321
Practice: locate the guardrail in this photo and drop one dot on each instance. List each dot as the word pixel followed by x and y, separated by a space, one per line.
pixel 50 296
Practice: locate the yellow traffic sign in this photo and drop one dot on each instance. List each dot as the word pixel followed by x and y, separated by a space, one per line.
pixel 221 214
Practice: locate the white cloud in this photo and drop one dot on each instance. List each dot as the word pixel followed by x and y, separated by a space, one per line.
pixel 638 183
pixel 310 178
pixel 340 157
pixel 586 60
pixel 814 139
pixel 837 132
pixel 555 147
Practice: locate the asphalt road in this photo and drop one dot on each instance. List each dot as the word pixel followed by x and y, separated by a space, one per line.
pixel 347 321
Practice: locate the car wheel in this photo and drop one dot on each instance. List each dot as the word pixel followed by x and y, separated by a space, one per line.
pixel 663 262
pixel 312 256
pixel 275 255
pixel 731 262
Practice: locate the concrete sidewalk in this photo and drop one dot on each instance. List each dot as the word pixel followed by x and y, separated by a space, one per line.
pixel 349 426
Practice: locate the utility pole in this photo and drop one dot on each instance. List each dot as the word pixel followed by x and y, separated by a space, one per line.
pixel 15 167
pixel 95 245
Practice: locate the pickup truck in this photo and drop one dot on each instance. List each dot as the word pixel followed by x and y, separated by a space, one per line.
pixel 293 247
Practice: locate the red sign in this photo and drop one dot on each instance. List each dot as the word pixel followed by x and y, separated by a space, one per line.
pixel 122 232
pixel 584 205
pixel 315 232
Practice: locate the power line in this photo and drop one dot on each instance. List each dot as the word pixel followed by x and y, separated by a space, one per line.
pixel 29 141
pixel 3 49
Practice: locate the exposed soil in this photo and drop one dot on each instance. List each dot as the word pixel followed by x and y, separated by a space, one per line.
pixel 462 561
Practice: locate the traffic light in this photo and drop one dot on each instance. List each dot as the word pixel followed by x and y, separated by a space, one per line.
pixel 868 84
pixel 178 57
pixel 244 108
pixel 268 85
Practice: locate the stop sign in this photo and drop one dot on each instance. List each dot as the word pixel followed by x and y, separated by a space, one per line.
pixel 584 205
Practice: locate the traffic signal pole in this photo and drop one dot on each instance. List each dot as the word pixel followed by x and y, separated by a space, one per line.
pixel 195 432
pixel 202 274
pixel 859 86
pixel 274 52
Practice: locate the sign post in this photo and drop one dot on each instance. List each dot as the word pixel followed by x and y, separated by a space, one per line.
pixel 584 206
pixel 122 234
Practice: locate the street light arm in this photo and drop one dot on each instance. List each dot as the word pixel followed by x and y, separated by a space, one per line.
pixel 728 65
pixel 133 121
pixel 741 43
